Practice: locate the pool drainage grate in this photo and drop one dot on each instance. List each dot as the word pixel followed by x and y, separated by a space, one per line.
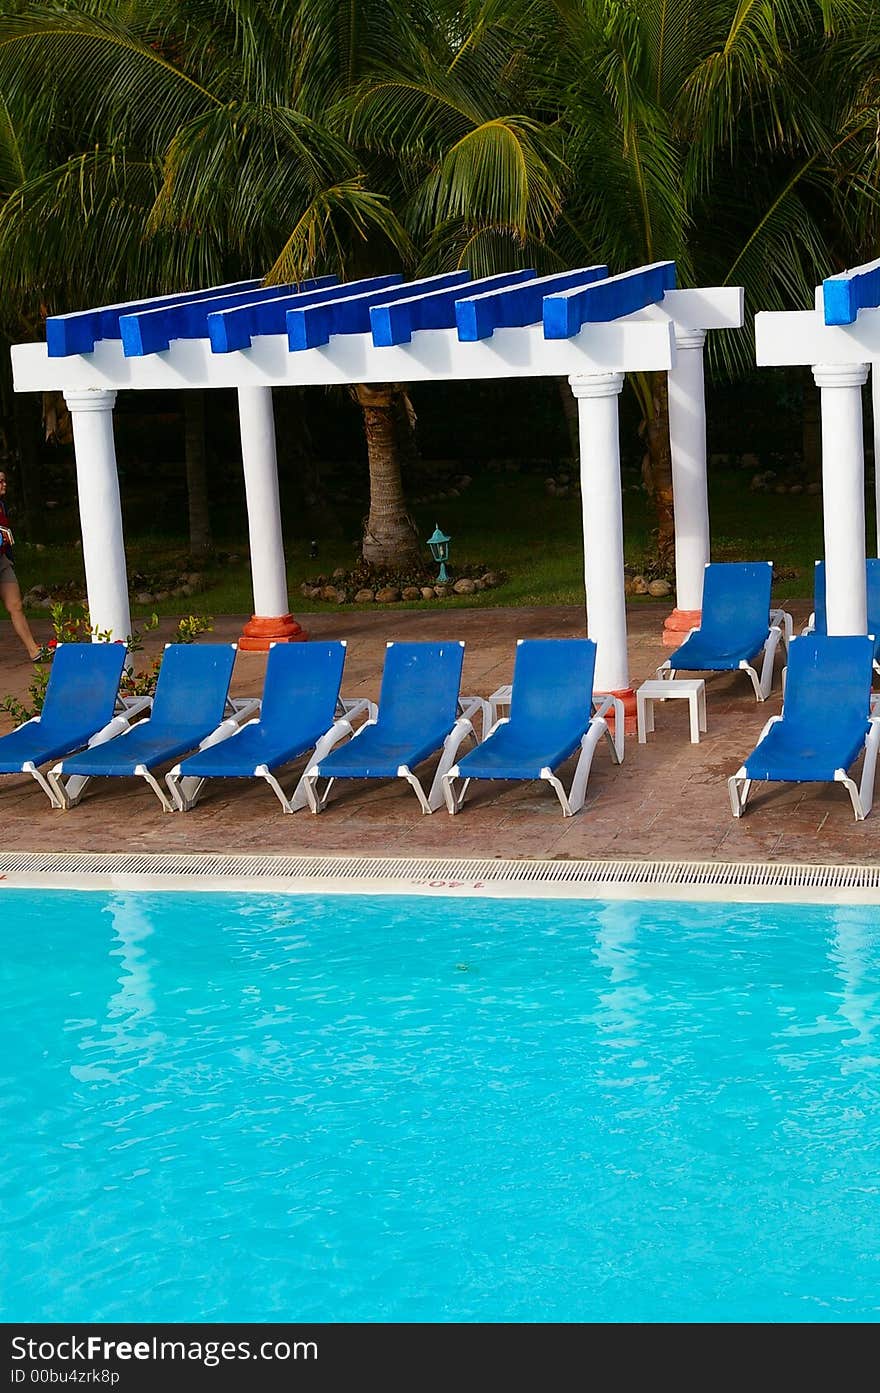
pixel 334 874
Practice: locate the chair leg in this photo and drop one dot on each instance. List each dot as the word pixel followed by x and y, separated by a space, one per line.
pixel 451 745
pixel 739 798
pixel 454 797
pixel 404 772
pixel 46 782
pixel 184 791
pixel 763 684
pixel 68 794
pixel 869 767
pixel 578 791
pixel 603 704
pixel 144 773
pixel 299 798
pixel 556 784
pixel 739 786
pixel 783 619
pixel 317 801
pixel 862 797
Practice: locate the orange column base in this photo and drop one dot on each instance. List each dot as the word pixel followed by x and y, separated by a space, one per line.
pixel 259 632
pixel 678 625
pixel 630 721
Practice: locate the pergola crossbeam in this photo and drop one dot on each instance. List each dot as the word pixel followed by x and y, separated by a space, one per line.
pixel 583 325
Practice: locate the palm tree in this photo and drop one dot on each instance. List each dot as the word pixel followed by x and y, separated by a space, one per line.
pixel 626 131
pixel 304 134
pixel 203 156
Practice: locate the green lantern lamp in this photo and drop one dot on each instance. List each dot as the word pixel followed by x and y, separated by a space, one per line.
pixel 439 544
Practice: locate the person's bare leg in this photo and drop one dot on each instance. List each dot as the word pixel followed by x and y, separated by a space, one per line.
pixel 10 594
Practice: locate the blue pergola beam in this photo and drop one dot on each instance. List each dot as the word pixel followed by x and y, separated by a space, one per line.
pixel 151 331
pixel 78 332
pixel 566 312
pixel 313 326
pixel 234 329
pixel 850 291
pixel 478 316
pixel 397 322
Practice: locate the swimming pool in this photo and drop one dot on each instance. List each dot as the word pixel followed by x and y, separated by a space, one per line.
pixel 220 1107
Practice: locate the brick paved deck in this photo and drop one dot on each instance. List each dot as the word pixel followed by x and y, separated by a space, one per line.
pixel 668 799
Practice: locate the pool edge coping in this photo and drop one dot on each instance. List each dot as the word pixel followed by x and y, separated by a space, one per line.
pixel 495 877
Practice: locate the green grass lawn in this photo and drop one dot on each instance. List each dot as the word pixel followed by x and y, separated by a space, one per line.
pixel 505 521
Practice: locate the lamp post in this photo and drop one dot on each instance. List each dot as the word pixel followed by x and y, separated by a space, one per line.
pixel 439 544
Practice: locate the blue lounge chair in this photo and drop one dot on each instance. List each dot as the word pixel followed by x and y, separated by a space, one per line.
pixel 301 711
pixel 818 620
pixel 736 625
pixel 825 723
pixel 78 711
pixel 417 716
pixel 551 716
pixel 187 712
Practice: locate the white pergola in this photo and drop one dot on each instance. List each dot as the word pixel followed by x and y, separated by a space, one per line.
pixel 584 325
pixel 839 340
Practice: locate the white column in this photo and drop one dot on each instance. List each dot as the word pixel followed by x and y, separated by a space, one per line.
pixel 91 415
pixel 603 525
pixel 268 571
pixel 687 441
pixel 843 495
pixel 875 403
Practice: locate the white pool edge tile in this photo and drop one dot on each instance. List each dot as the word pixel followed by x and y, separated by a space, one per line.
pixel 741 882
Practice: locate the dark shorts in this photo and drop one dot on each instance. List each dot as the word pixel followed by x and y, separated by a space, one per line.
pixel 7 571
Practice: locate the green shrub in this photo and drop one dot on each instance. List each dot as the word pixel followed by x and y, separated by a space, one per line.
pixel 71 624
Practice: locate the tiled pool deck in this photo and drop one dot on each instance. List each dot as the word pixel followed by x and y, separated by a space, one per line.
pixel 667 801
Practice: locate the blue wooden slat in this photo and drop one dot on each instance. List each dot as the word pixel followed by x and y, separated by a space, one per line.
pixel 234 329
pixel 313 326
pixel 153 330
pixel 79 331
pixel 396 322
pixel 479 316
pixel 566 313
pixel 844 295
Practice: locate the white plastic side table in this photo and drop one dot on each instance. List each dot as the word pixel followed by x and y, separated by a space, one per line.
pixel 693 689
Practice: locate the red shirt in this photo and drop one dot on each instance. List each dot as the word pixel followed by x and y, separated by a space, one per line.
pixel 5 548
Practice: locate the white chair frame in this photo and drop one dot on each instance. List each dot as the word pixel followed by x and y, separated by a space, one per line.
pixel 573 801
pixel 430 802
pixel 132 707
pixel 739 785
pixel 185 791
pixel 762 684
pixel 69 792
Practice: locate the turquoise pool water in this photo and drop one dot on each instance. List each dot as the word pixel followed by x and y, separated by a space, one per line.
pixel 250 1108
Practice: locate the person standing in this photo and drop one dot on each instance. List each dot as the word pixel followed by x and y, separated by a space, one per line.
pixel 10 593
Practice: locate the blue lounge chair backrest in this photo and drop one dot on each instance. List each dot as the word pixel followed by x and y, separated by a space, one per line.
pixel 420 685
pixel 872 581
pixel 302 685
pixel 828 683
pixel 82 688
pixel 192 686
pixel 736 601
pixel 553 683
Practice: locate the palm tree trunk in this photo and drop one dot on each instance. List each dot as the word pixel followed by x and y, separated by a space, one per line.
pixel 390 535
pixel 196 472
pixel 660 464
